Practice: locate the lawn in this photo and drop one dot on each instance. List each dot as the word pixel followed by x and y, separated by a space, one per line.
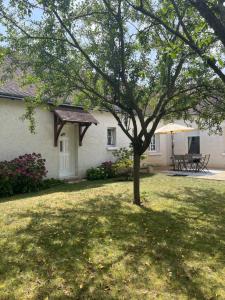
pixel 87 241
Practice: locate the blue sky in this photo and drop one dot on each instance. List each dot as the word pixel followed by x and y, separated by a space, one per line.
pixel 36 15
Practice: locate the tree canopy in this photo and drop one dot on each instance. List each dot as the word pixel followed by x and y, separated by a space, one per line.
pixel 199 25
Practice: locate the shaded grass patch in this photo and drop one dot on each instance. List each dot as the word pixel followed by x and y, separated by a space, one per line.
pixel 87 241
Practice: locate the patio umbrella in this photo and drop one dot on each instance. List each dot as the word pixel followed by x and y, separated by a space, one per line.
pixel 173 128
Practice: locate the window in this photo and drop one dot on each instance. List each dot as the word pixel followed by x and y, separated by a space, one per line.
pixel 194 144
pixel 61 146
pixel 111 136
pixel 154 145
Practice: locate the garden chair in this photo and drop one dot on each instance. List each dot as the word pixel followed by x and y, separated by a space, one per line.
pixel 202 166
pixel 192 162
pixel 189 162
pixel 178 162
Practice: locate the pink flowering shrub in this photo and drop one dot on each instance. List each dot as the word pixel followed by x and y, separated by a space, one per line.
pixel 21 175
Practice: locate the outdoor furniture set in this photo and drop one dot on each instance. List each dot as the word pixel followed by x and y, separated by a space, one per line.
pixel 191 162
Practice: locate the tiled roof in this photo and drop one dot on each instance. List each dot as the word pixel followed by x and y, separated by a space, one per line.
pixel 11 89
pixel 75 115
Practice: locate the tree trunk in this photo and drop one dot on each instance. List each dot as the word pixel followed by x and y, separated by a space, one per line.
pixel 136 174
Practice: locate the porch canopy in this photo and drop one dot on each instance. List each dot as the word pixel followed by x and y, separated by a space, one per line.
pixel 68 114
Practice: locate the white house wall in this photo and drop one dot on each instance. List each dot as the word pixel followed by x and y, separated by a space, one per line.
pixel 94 149
pixel 16 139
pixel 161 156
pixel 213 144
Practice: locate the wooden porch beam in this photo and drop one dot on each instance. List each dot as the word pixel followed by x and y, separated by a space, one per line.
pixel 82 132
pixel 58 126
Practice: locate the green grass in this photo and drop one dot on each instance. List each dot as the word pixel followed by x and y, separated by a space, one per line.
pixel 87 241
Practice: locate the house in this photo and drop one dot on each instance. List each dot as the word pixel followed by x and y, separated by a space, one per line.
pixel 70 139
pixel 196 141
pixel 73 140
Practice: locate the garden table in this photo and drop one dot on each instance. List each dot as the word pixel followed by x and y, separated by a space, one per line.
pixel 190 162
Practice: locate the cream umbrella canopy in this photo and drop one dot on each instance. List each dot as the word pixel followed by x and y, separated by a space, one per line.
pixel 173 128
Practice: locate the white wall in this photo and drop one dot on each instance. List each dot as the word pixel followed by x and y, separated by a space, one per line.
pixel 16 139
pixel 213 144
pixel 161 156
pixel 94 149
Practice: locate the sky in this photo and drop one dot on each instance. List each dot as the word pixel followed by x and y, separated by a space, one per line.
pixel 36 16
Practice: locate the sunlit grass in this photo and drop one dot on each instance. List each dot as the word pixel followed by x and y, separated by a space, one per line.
pixel 87 241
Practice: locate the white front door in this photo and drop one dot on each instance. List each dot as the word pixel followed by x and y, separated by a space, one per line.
pixel 64 157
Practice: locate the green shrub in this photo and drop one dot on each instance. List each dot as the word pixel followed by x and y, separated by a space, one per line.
pixel 108 169
pixel 124 163
pixel 95 173
pixel 123 153
pixel 5 186
pixel 124 168
pixel 105 170
pixel 51 182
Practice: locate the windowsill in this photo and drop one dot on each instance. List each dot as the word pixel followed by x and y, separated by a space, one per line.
pixel 111 148
pixel 154 153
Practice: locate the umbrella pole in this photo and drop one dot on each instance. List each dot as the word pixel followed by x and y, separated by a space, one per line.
pixel 172 144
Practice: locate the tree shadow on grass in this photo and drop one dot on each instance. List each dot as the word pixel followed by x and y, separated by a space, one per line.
pixel 204 210
pixel 67 187
pixel 101 249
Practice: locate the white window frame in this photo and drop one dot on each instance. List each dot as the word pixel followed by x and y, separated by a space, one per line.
pixel 154 146
pixel 111 138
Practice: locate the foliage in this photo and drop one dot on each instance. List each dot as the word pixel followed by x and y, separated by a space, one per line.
pixel 200 26
pixel 108 168
pixel 124 168
pixel 51 182
pixel 123 153
pixel 21 175
pixel 86 241
pixel 94 173
pixel 124 162
pixel 105 170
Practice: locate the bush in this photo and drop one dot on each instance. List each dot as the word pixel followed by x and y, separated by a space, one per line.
pixel 124 163
pixel 51 182
pixel 124 167
pixel 108 169
pixel 123 154
pixel 95 173
pixel 105 170
pixel 21 175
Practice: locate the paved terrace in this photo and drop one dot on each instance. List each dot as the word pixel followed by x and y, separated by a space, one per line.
pixel 210 175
